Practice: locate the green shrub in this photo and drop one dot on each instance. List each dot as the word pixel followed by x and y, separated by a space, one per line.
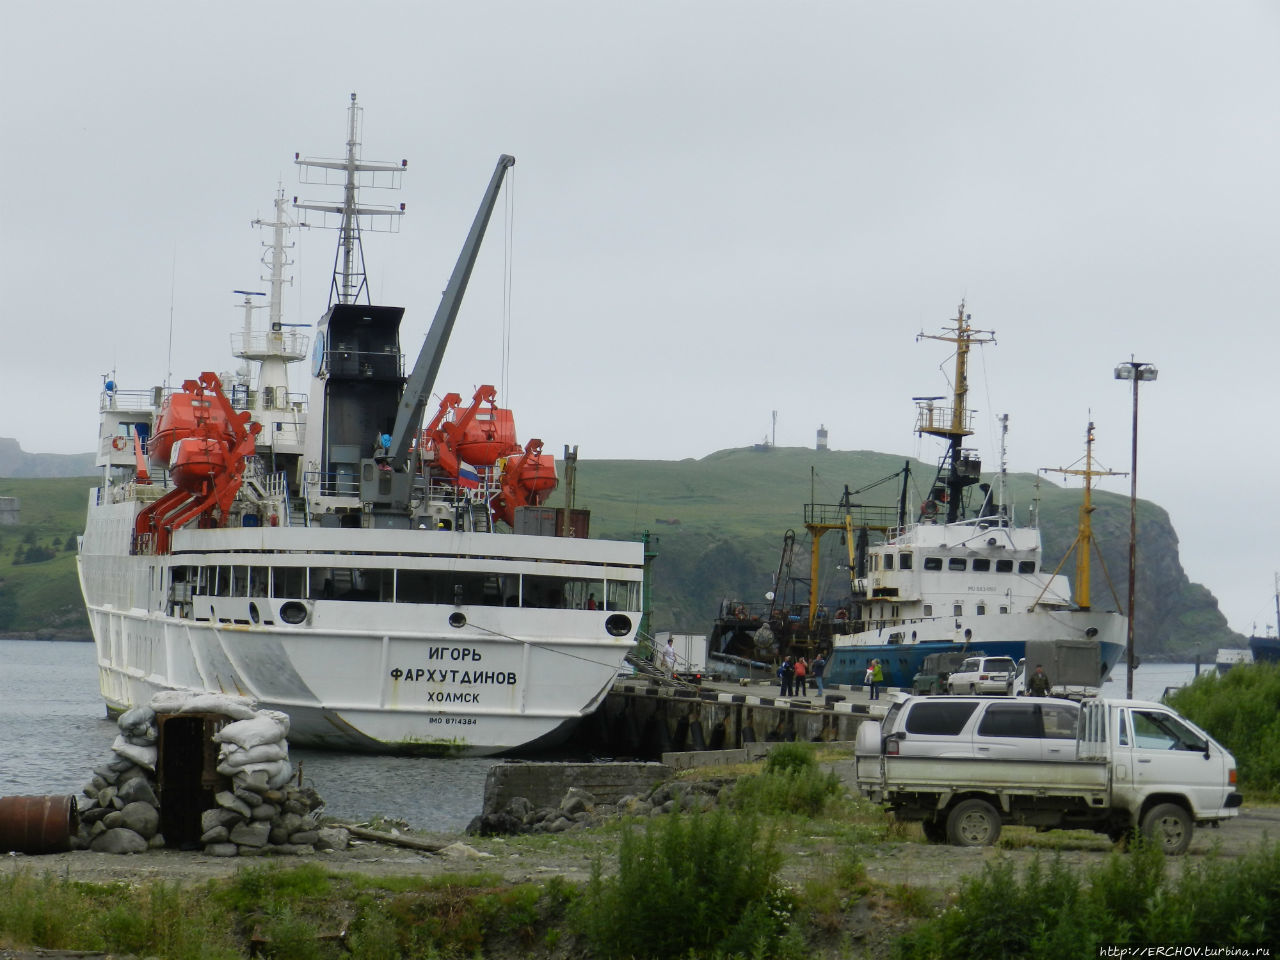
pixel 791 783
pixel 792 757
pixel 703 884
pixel 1050 914
pixel 1241 710
pixel 160 919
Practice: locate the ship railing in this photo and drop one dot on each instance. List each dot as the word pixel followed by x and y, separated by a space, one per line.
pixel 282 432
pixel 266 401
pixel 318 483
pixel 370 364
pixel 832 515
pixel 266 485
pixel 288 344
pixel 131 399
pixel 130 491
pixel 934 418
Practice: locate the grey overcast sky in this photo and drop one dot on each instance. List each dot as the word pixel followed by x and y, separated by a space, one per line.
pixel 721 209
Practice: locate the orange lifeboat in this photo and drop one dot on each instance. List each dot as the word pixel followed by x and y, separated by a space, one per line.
pixel 194 461
pixel 527 480
pixel 186 414
pixel 488 437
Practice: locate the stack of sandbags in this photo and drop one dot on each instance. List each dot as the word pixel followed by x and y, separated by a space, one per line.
pixel 120 812
pixel 260 813
pixel 256 744
pixel 255 819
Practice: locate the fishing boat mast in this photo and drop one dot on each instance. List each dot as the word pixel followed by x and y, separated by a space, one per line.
pixel 1084 543
pixel 959 468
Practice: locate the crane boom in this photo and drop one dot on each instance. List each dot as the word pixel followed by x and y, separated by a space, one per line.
pixel 420 382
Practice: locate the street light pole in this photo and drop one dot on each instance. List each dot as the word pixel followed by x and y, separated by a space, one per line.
pixel 1137 372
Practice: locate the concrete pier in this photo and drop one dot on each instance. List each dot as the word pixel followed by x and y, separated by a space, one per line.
pixel 647 718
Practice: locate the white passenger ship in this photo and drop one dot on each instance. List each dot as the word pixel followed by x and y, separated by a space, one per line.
pixel 327 557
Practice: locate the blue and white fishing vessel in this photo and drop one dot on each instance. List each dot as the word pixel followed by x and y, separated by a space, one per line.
pixel 953 572
pixel 962 574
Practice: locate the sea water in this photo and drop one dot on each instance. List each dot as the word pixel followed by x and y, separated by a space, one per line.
pixel 54 731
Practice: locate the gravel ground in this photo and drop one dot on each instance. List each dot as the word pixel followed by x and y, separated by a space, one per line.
pixel 938 867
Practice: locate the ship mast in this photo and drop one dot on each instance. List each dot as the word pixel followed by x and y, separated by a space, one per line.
pixel 959 467
pixel 1084 542
pixel 349 279
pixel 276 348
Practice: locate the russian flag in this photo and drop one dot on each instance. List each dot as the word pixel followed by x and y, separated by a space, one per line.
pixel 468 476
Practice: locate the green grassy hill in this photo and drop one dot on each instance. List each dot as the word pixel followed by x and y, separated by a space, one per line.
pixel 39 592
pixel 717 524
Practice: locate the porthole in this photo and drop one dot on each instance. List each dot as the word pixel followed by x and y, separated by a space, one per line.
pixel 457 619
pixel 618 625
pixel 294 612
pixel 253 612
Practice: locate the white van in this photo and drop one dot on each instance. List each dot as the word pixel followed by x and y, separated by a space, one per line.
pixel 1031 728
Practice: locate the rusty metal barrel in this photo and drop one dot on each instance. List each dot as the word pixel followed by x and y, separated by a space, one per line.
pixel 37 824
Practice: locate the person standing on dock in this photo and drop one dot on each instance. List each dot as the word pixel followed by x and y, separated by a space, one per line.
pixel 802 677
pixel 1038 685
pixel 785 674
pixel 875 677
pixel 669 659
pixel 819 667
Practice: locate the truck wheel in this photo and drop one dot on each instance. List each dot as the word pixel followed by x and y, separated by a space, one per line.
pixel 1169 827
pixel 973 689
pixel 973 823
pixel 935 831
pixel 933 689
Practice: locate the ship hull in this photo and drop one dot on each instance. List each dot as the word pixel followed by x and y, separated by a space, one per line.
pixel 1265 649
pixel 369 674
pixel 901 649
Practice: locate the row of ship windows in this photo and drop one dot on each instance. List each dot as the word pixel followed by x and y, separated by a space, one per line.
pixel 957 610
pixel 401 586
pixel 977 564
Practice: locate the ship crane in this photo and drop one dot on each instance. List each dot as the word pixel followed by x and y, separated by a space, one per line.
pixel 418 386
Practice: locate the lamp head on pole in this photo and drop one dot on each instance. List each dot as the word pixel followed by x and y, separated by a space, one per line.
pixel 1132 370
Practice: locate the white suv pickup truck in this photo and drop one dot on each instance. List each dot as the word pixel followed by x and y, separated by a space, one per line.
pixel 1138 766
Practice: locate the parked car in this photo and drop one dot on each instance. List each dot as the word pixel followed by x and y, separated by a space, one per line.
pixel 1036 728
pixel 982 675
pixel 935 670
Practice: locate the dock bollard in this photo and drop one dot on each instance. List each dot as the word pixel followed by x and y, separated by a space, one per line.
pixel 37 824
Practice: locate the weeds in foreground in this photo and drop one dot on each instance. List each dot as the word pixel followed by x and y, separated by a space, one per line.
pixel 791 782
pixel 1028 838
pixel 1051 913
pixel 700 883
pixel 829 893
pixel 158 919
